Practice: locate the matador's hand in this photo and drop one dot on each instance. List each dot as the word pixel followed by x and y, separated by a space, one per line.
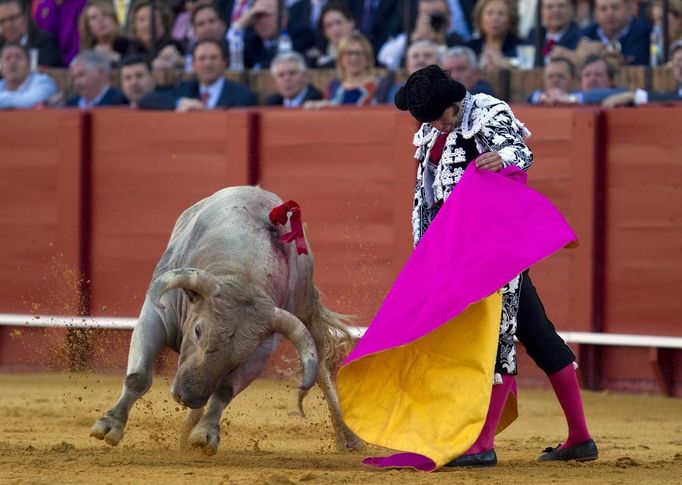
pixel 490 161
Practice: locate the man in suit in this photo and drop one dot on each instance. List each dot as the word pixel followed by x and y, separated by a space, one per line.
pixel 16 26
pixel 208 24
pixel 137 79
pixel 291 80
pixel 90 72
pixel 558 30
pixel 261 32
pixel 209 89
pixel 620 32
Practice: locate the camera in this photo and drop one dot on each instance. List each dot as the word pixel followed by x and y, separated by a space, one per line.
pixel 437 21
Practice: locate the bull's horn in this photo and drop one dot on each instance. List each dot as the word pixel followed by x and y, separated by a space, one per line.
pixel 197 280
pixel 293 329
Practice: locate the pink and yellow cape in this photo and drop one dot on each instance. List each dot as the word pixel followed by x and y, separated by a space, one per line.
pixel 420 379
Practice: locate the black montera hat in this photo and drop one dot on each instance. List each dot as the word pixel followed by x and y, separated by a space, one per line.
pixel 428 92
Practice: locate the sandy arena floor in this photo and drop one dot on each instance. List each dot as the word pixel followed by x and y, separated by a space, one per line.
pixel 45 421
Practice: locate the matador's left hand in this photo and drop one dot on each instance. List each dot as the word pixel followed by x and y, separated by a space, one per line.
pixel 490 161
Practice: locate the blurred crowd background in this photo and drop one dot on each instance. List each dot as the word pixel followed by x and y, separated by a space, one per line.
pixel 188 55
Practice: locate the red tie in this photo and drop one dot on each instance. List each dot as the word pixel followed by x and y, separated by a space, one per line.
pixel 204 98
pixel 239 9
pixel 548 47
pixel 437 148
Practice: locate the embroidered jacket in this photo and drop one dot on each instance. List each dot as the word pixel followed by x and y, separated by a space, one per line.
pixel 493 127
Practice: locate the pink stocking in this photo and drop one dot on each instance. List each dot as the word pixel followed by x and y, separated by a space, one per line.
pixel 565 384
pixel 498 398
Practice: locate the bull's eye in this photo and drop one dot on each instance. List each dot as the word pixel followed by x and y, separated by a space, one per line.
pixel 197 332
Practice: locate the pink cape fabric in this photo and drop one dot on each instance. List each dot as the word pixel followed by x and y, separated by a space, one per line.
pixel 490 229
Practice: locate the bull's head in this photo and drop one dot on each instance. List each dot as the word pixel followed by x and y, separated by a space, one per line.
pixel 226 320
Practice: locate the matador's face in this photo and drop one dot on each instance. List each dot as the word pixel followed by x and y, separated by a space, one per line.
pixel 449 119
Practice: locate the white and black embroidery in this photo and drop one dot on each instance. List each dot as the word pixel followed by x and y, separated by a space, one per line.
pixel 493 127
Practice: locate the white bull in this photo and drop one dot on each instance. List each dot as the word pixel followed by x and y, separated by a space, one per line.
pixel 242 290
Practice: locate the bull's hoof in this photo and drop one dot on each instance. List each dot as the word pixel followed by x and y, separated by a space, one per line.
pixel 358 445
pixel 207 438
pixel 350 442
pixel 109 429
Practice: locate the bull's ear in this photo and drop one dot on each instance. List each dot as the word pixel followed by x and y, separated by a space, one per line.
pixel 192 295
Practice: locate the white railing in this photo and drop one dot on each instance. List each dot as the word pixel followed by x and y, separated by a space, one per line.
pixel 113 323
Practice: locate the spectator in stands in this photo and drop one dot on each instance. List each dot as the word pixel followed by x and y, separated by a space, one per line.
pixel 496 22
pixel 432 24
pixel 60 19
pixel 378 20
pixel 183 30
pixel 559 30
pixel 20 88
pixel 420 54
pixel 209 89
pixel 596 73
pixel 261 33
pixel 208 24
pixel 168 52
pixel 597 77
pixel 559 78
pixel 460 62
pixel 16 26
pixel 90 71
pixel 100 31
pixel 291 80
pixel 336 21
pixel 620 32
pixel 355 65
pixel 137 79
pixel 640 97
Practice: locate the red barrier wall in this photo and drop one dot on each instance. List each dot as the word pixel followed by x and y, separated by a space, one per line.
pixel 353 173
pixel 40 226
pixel 643 236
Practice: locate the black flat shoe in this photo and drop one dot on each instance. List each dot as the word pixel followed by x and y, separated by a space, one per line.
pixel 478 460
pixel 585 451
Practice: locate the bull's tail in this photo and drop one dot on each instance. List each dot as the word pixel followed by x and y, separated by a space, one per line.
pixel 337 340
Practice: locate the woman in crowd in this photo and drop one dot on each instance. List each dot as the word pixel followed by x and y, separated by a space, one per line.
pixel 168 52
pixel 496 22
pixel 355 66
pixel 100 31
pixel 336 21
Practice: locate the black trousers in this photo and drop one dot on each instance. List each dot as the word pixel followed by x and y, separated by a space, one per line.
pixel 537 333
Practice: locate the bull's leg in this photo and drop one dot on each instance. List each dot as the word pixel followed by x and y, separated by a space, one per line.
pixel 149 336
pixel 191 420
pixel 345 438
pixel 206 433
